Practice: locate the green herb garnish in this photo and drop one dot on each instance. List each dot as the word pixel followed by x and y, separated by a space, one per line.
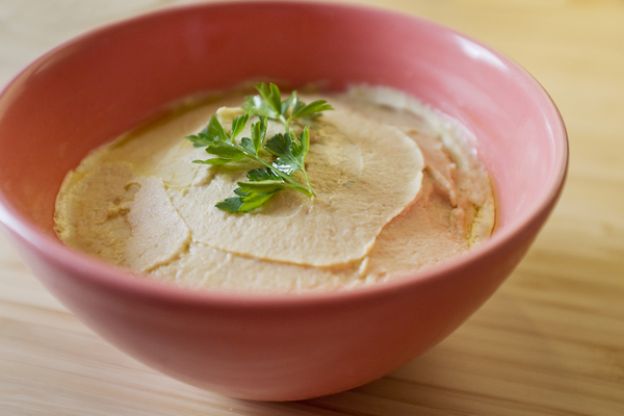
pixel 280 159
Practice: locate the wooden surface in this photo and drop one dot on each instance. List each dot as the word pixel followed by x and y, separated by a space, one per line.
pixel 550 341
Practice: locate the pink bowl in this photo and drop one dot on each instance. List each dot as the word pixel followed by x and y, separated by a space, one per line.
pixel 277 347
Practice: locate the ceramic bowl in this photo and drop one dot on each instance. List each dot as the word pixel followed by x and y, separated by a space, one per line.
pixel 272 347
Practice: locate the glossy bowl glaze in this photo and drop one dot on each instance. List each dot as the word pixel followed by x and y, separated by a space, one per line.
pixel 271 347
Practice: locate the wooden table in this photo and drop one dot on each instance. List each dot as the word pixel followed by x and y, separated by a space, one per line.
pixel 550 341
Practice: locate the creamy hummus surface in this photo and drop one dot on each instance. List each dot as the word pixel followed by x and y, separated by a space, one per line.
pixel 398 187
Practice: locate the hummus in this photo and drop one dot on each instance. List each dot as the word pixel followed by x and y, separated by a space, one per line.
pixel 398 187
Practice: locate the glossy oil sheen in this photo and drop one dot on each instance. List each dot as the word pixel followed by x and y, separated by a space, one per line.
pixel 273 347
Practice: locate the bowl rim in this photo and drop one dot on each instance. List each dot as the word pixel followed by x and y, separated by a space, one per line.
pixel 103 274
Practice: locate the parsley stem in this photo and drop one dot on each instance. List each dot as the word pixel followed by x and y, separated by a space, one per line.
pixel 310 192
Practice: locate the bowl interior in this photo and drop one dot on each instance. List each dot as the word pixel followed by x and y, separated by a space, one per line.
pixel 97 86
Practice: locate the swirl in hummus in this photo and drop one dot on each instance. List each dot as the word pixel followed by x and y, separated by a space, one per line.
pixel 398 187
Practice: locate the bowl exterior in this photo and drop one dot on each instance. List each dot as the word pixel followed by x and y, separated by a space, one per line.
pixel 273 352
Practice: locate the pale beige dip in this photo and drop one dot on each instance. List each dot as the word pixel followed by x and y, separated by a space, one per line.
pixel 398 186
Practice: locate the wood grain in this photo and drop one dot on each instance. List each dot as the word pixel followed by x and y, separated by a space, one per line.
pixel 550 341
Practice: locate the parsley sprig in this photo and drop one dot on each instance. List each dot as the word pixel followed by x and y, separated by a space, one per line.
pixel 279 159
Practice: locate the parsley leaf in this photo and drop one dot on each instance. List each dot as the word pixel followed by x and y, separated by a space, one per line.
pixel 280 158
pixel 270 105
pixel 262 174
pixel 312 109
pixel 238 124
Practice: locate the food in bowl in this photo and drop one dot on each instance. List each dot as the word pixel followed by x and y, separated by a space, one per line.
pixel 386 185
